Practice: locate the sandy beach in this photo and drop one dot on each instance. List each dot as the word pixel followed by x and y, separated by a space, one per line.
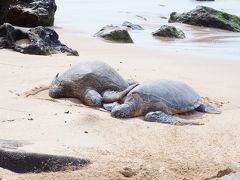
pixel 208 60
pixel 149 150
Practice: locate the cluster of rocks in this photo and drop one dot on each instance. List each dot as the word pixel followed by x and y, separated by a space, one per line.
pixel 200 16
pixel 34 15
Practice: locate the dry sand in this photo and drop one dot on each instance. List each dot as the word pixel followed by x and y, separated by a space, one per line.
pixel 130 147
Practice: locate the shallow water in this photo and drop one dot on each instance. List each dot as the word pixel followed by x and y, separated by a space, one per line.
pixel 88 16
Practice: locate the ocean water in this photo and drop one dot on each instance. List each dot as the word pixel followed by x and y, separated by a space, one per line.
pixel 86 17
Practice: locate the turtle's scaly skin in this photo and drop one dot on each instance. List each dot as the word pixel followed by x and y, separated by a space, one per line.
pixel 159 100
pixel 88 81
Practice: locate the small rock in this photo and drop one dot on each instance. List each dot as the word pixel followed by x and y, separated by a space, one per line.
pixel 10 120
pixel 132 26
pixel 141 17
pixel 163 17
pixel 86 132
pixel 67 112
pixel 30 119
pixel 115 34
pixel 169 31
pixel 128 172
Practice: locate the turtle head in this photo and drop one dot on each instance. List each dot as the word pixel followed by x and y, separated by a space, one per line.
pixel 56 89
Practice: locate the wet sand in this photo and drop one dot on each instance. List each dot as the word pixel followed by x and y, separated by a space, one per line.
pixel 119 148
pixel 87 17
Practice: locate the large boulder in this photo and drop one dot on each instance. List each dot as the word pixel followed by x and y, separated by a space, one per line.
pixel 38 41
pixel 208 17
pixel 170 32
pixel 115 34
pixel 31 13
pixel 4 6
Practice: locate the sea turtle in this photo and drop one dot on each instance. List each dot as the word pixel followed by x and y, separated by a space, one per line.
pixel 93 82
pixel 159 100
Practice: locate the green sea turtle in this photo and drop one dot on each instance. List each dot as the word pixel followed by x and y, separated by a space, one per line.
pixel 92 82
pixel 159 100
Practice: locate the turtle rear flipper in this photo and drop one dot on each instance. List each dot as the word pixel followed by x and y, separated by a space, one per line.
pixel 112 96
pixel 206 108
pixel 110 106
pixel 159 116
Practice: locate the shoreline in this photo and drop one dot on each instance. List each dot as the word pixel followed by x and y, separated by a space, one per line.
pixel 86 18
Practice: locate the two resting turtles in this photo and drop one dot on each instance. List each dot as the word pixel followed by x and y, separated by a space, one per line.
pixel 96 84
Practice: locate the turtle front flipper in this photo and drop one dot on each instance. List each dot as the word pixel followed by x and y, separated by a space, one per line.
pixel 92 98
pixel 206 108
pixel 131 108
pixel 159 116
pixel 112 96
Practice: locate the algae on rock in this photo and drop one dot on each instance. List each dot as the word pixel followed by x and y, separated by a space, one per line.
pixel 169 31
pixel 115 34
pixel 208 17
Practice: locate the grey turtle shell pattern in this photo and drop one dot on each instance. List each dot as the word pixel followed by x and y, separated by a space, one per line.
pixel 90 74
pixel 170 96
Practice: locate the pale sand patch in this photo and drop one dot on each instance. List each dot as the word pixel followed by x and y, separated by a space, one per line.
pixel 117 147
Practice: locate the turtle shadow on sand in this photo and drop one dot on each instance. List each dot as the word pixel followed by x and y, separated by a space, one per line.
pixel 41 93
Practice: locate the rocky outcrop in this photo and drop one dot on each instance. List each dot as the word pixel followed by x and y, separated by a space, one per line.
pixel 169 31
pixel 132 26
pixel 115 34
pixel 38 41
pixel 4 6
pixel 31 13
pixel 26 162
pixel 208 17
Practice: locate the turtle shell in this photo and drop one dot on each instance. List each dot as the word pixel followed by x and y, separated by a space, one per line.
pixel 97 75
pixel 166 95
